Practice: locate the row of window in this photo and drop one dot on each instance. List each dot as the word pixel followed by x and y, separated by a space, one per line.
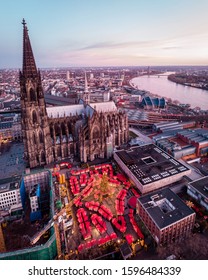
pixel 168 236
pixel 7 204
pixel 2 202
pixel 7 193
pixel 6 198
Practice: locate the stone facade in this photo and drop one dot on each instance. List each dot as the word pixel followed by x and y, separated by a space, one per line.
pixel 85 130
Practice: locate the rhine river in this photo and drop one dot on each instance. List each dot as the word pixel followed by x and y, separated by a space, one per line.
pixel 161 86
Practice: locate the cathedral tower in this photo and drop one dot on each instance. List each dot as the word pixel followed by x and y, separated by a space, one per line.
pixel 35 127
pixel 86 95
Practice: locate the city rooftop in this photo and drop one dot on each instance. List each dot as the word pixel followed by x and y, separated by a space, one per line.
pixel 201 185
pixel 149 164
pixel 165 207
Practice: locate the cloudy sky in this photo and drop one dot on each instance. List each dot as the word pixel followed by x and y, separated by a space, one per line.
pixel 105 32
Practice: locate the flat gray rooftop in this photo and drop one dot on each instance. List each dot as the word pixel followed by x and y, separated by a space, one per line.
pixel 165 207
pixel 149 163
pixel 9 184
pixel 201 185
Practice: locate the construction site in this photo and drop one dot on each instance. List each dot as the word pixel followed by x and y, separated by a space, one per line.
pixel 18 231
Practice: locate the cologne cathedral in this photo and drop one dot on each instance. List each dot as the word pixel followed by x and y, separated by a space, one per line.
pixel 85 130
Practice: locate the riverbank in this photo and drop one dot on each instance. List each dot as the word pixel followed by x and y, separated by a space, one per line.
pixel 143 93
pixel 160 86
pixel 190 81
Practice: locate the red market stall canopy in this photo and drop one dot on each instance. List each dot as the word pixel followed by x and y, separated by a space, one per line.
pixel 92 205
pixel 78 202
pixel 121 195
pixel 135 193
pixel 135 226
pixel 121 178
pixel 74 185
pixel 99 223
pixel 83 180
pixel 129 238
pixel 119 223
pixel 132 202
pixel 119 207
pixel 84 223
pixel 105 212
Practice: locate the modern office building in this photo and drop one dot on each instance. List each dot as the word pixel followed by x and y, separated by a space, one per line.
pixel 10 192
pixel 12 197
pixel 149 167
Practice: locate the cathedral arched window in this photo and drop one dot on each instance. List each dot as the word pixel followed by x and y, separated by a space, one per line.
pixel 43 156
pixel 34 117
pixel 63 129
pixel 96 133
pixel 69 127
pixel 54 154
pixel 41 137
pixel 65 151
pixel 51 131
pixel 57 129
pixel 34 139
pixel 37 159
pixel 33 96
pixel 58 151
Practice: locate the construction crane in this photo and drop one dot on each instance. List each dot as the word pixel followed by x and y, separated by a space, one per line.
pixel 55 223
pixel 38 235
pixel 65 194
pixel 58 238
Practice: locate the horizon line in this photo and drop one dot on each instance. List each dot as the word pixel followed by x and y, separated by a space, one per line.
pixel 112 66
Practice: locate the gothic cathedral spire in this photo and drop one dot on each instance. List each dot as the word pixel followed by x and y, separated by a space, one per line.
pixel 29 69
pixel 86 95
pixel 35 127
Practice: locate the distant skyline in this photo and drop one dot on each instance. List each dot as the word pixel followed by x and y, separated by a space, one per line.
pixel 76 33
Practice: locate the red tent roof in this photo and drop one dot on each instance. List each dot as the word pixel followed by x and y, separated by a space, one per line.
pixel 132 202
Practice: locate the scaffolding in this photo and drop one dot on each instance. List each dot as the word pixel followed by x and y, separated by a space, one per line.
pixel 47 251
pixel 2 242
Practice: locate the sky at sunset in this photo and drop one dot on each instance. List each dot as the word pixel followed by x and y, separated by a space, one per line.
pixel 105 33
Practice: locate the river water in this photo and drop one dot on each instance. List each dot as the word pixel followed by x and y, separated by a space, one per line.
pixel 161 86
